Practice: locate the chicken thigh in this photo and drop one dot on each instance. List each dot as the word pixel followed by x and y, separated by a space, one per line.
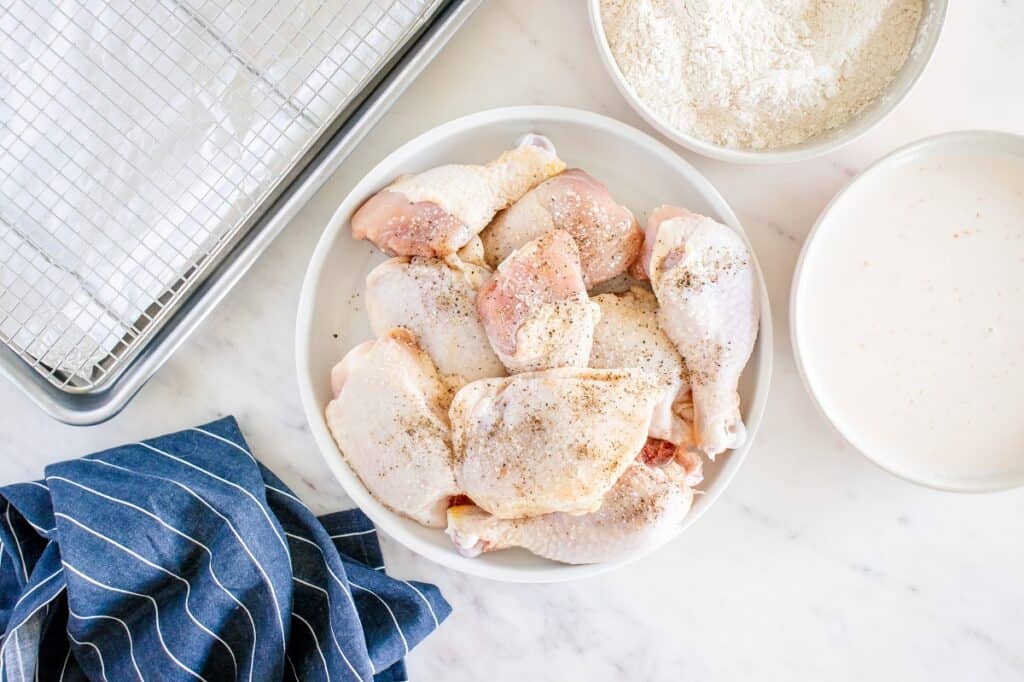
pixel 704 279
pixel 642 510
pixel 549 441
pixel 606 233
pixel 389 417
pixel 438 211
pixel 436 301
pixel 535 307
pixel 628 335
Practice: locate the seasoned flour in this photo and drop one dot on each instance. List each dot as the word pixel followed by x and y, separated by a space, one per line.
pixel 759 74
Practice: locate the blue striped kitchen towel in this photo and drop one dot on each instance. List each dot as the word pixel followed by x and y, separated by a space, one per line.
pixel 182 557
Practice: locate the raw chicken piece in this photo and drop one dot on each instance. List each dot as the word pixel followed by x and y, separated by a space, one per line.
pixel 628 335
pixel 549 441
pixel 643 509
pixel 607 234
pixel 389 418
pixel 436 301
pixel 703 276
pixel 436 212
pixel 535 307
pixel 472 253
pixel 657 452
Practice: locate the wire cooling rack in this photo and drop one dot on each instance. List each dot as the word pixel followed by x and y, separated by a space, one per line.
pixel 139 139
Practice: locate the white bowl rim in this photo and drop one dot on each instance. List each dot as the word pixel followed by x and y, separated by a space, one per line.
pixel 810 149
pixel 388 521
pixel 958 139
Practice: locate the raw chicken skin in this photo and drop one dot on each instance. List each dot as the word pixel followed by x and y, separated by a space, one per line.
pixel 389 418
pixel 535 307
pixel 472 253
pixel 703 276
pixel 438 211
pixel 628 335
pixel 644 509
pixel 607 234
pixel 436 301
pixel 549 441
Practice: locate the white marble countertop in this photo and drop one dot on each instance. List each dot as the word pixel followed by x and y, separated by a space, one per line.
pixel 813 565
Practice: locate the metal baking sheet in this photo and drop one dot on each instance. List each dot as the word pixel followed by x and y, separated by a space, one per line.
pixel 101 401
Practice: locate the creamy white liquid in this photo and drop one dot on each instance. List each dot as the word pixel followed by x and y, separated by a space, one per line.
pixel 910 318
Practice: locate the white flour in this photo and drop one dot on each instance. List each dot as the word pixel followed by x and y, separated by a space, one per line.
pixel 759 74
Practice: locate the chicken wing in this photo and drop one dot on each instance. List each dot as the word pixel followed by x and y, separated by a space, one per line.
pixel 643 509
pixel 607 234
pixel 703 276
pixel 389 417
pixel 535 307
pixel 549 441
pixel 436 301
pixel 438 211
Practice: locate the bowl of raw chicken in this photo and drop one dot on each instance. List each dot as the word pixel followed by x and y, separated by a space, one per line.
pixel 534 344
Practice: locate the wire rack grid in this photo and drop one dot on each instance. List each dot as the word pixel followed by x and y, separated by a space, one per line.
pixel 140 138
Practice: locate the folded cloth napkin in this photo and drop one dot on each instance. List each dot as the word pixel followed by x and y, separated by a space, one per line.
pixel 182 557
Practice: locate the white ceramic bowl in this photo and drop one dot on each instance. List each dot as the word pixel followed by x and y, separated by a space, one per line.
pixel 641 172
pixel 830 141
pixel 817 379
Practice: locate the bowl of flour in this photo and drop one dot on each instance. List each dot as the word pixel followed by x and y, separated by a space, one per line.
pixel 770 81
